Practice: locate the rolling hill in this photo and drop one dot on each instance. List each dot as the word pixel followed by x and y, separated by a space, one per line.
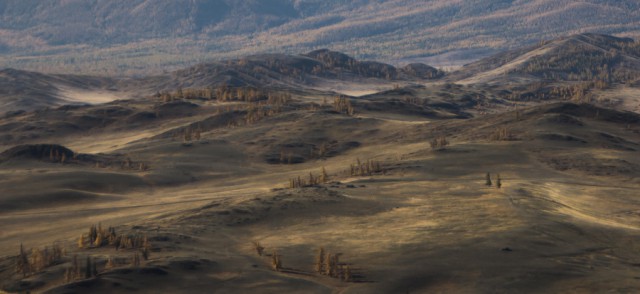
pixel 320 69
pixel 564 68
pixel 518 173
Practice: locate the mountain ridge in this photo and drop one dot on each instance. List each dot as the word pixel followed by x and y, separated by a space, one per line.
pixel 134 37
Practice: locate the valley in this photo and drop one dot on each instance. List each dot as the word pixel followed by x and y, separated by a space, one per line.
pixel 322 173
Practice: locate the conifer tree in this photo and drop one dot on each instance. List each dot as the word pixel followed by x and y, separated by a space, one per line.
pixel 94 269
pixel 488 180
pixel 88 270
pixel 347 274
pixel 81 241
pixel 325 176
pixel 22 265
pixel 319 265
pixel 276 262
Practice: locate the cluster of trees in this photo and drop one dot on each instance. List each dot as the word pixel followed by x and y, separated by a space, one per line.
pixel 99 237
pixel 489 183
pixel 190 134
pixel 38 259
pixel 224 93
pixel 325 263
pixel 329 264
pixel 254 111
pixel 584 63
pixel 343 105
pixel 439 142
pixel 313 180
pixel 75 272
pixel 578 91
pixel 286 157
pixel 367 168
pixel 128 164
pixel 502 134
pixel 90 270
pixel 275 260
pixel 575 92
pixel 182 94
pixel 56 155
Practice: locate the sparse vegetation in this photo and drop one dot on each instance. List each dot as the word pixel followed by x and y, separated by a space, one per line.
pixel 343 105
pixel 502 134
pixel 110 263
pixel 319 263
pixel 99 237
pixel 72 272
pixel 580 61
pixel 38 259
pixel 439 143
pixel 367 168
pixel 329 264
pixel 276 261
pixel 135 260
pixel 258 248
pixel 310 181
pixel 324 177
pixel 347 274
pixel 488 180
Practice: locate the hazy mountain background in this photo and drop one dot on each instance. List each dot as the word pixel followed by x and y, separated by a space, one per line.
pixel 142 36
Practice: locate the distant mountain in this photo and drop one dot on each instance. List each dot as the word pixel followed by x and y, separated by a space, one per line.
pixel 584 57
pixel 136 36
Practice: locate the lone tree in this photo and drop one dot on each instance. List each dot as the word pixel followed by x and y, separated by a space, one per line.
pixel 488 182
pixel 320 261
pixel 347 274
pixel 324 177
pixel 276 262
pixel 499 182
pixel 88 273
pixel 258 247
pixel 22 265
